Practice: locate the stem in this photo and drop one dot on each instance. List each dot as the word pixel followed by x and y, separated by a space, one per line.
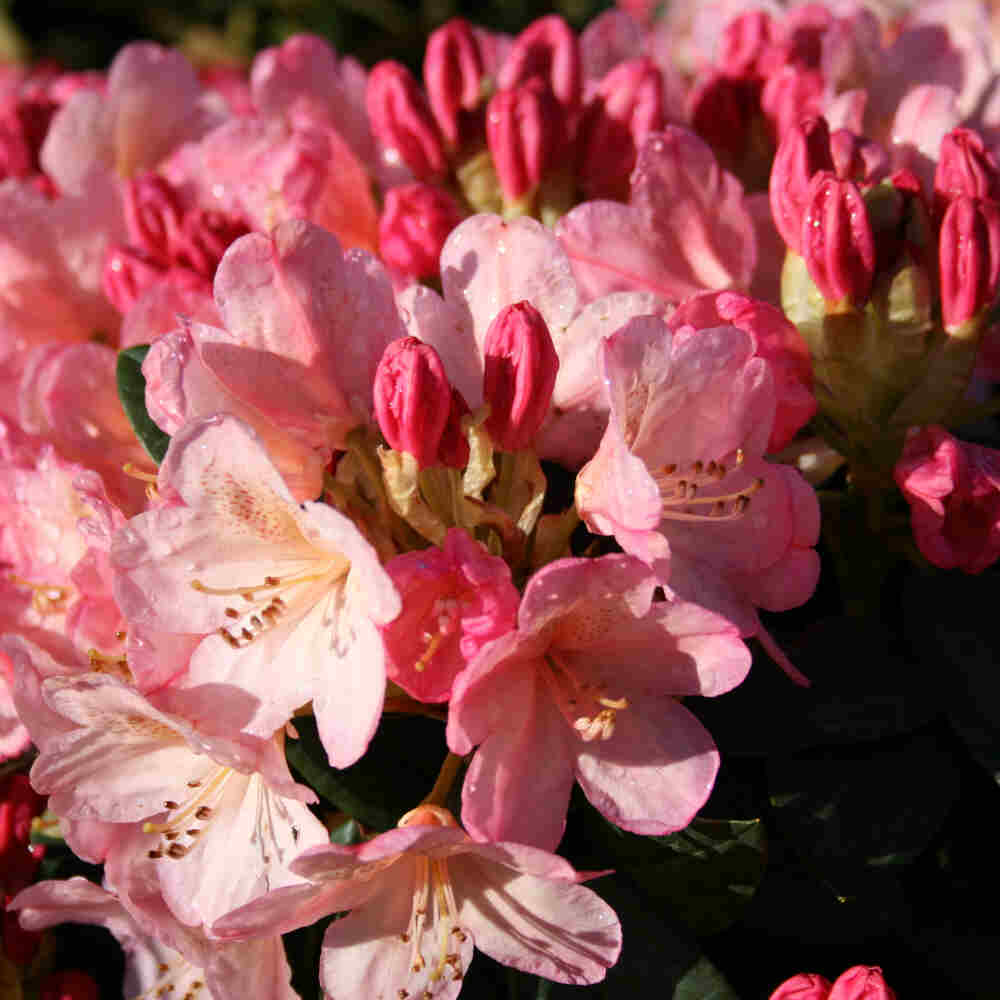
pixel 445 779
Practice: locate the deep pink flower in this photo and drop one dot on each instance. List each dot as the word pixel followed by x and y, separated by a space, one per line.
pixel 416 220
pixel 861 982
pixel 421 896
pixel 969 253
pixel 953 489
pixel 804 986
pixel 589 683
pixel 456 598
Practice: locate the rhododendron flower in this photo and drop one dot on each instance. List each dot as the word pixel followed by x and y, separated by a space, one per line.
pixel 421 896
pixel 805 986
pixel 679 478
pixel 292 594
pixel 588 683
pixel 153 965
pixel 953 489
pixel 456 598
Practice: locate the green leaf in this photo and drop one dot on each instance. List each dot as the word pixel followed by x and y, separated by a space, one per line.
pixel 349 832
pixel 132 393
pixel 396 772
pixel 876 806
pixel 703 981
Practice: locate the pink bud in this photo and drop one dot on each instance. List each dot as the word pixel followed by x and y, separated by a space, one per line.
pixel 412 399
pixel 416 220
pixel 857 159
pixel 519 375
pixel 453 72
pixel 454 450
pixel 127 273
pixel 837 241
pixel 805 986
pixel 524 129
pixel 401 119
pixel 548 49
pixel 15 153
pixel 627 107
pixel 745 44
pixel 969 259
pixel 790 95
pixel 966 167
pixel 862 982
pixel 70 984
pixel 24 123
pixel 804 151
pixel 152 215
pixel 203 237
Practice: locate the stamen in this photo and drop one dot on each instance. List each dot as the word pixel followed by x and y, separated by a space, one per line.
pixel 130 469
pixel 45 599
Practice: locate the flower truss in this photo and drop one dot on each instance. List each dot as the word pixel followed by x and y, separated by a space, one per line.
pixel 504 402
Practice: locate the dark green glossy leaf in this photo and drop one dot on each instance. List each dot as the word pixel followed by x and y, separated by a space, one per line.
pixel 349 832
pixel 395 773
pixel 703 981
pixel 132 393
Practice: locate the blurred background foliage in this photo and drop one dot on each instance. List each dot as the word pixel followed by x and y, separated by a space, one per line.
pixel 79 34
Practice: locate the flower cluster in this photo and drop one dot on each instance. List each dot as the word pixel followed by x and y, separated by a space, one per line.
pixel 329 394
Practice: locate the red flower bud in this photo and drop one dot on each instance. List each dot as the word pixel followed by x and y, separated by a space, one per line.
pixel 203 237
pixel 127 273
pixel 722 110
pixel 416 220
pixel 412 399
pixel 837 241
pixel 519 375
pixel 805 986
pixel 969 258
pixel 790 95
pixel 453 71
pixel 804 151
pixel 454 450
pixel 401 119
pixel 70 984
pixel 548 49
pixel 857 159
pixel 627 107
pixel 965 167
pixel 524 129
pixel 862 982
pixel 745 44
pixel 153 216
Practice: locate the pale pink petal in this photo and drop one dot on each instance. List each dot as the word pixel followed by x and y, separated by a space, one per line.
pixel 546 928
pixel 921 120
pixel 656 771
pixel 161 308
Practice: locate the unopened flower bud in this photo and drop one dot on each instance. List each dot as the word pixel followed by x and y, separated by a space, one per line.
pixel 790 95
pixel 416 220
pixel 453 72
pixel 152 215
pixel 127 273
pixel 969 257
pixel 803 152
pixel 965 167
pixel 857 159
pixel 454 450
pixel 519 375
pixel 805 986
pixel 69 984
pixel 627 107
pixel 524 129
pixel 547 49
pixel 412 399
pixel 862 982
pixel 745 44
pixel 203 237
pixel 722 110
pixel 402 120
pixel 837 242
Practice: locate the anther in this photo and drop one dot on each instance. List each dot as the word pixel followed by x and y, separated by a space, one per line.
pixel 121 635
pixel 232 613
pixel 247 634
pixel 402 994
pixel 194 832
pixel 176 851
pixel 170 804
pixel 697 467
pixel 194 784
pixel 231 640
pixel 154 854
pixel 272 581
pixel 204 812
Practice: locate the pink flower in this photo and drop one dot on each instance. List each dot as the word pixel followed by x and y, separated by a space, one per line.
pixel 455 599
pixel 679 478
pixel 861 982
pixel 290 593
pixel 422 895
pixel 953 489
pixel 805 986
pixel 589 684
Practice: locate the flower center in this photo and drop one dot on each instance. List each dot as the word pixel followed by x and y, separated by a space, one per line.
pixel 598 713
pixel 45 599
pixel 433 903
pixel 447 613
pixel 692 494
pixel 188 818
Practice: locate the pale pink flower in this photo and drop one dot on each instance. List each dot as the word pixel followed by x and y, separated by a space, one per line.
pixel 589 683
pixel 422 895
pixel 953 489
pixel 456 598
pixel 679 478
pixel 686 228
pixel 152 965
pixel 291 593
